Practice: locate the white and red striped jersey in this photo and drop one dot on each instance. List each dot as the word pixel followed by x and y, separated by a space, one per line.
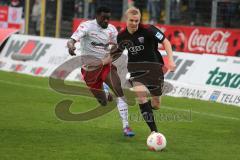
pixel 94 39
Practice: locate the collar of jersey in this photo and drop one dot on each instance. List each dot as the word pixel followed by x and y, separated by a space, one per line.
pixel 95 21
pixel 130 33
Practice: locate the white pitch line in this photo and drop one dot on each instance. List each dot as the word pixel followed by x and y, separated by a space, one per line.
pixel 166 107
pixel 202 113
pixel 24 85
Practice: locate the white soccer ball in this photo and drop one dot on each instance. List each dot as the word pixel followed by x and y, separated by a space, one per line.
pixel 156 141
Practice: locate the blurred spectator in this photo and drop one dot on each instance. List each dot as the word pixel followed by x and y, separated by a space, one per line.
pixel 3 3
pixel 130 3
pixel 91 9
pixel 67 10
pixel 51 9
pixel 153 7
pixel 228 10
pixel 140 4
pixel 192 11
pixel 36 16
pixel 175 10
pixel 16 3
pixel 78 7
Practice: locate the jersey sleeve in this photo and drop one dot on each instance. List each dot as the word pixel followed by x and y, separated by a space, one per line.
pixel 157 33
pixel 120 42
pixel 80 32
pixel 118 39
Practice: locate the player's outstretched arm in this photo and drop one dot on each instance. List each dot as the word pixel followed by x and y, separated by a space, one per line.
pixel 71 47
pixel 168 48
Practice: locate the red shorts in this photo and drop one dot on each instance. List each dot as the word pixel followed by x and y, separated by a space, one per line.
pixel 94 79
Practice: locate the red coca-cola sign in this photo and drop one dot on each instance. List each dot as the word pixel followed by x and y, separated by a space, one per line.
pixel 203 40
pixel 216 42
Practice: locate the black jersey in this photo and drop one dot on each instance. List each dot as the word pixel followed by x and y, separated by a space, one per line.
pixel 142 45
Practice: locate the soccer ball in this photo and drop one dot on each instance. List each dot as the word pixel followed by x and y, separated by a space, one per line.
pixel 156 141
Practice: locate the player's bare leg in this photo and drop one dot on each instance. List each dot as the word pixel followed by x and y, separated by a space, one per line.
pixel 156 102
pixel 114 82
pixel 141 92
pixel 100 96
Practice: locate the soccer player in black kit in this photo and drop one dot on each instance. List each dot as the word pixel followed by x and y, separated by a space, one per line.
pixel 145 62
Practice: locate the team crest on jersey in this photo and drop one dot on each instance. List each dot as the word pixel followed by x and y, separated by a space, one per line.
pixel 141 39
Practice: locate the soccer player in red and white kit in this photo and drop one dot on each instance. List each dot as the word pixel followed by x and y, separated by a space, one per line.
pixel 96 36
pixel 145 62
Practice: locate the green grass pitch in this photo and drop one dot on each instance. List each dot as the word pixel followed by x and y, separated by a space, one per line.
pixel 30 130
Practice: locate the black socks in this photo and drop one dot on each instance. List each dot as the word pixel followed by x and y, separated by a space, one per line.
pixel 147 113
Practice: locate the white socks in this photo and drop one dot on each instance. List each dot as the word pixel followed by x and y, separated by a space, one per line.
pixel 121 105
pixel 123 110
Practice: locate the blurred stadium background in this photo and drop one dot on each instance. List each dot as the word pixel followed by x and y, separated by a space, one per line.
pixel 209 13
pixel 200 117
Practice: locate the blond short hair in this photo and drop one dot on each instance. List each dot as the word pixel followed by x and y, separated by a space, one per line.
pixel 133 11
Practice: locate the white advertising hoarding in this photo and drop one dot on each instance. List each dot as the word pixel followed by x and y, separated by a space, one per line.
pixel 36 49
pixel 205 93
pixel 206 77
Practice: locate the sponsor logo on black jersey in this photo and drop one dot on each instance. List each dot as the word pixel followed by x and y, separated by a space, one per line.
pixel 159 36
pixel 136 49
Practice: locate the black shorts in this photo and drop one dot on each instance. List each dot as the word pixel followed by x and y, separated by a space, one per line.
pixel 149 74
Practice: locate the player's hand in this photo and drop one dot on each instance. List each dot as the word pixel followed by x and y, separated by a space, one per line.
pixel 164 69
pixel 107 60
pixel 172 66
pixel 71 47
pixel 115 52
pixel 72 51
